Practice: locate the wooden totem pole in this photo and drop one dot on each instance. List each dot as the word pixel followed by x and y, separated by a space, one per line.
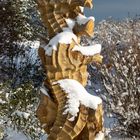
pixel 66 110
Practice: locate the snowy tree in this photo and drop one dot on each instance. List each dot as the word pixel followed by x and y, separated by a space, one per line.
pixel 18 30
pixel 120 77
pixel 19 68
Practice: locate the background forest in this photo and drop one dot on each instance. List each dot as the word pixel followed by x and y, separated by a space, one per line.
pixel 116 81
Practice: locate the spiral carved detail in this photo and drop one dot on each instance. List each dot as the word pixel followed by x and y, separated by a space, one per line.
pixel 64 63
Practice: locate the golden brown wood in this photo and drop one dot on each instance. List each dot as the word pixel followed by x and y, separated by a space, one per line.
pixel 64 63
pixel 54 12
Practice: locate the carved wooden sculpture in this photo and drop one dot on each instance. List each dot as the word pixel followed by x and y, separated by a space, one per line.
pixel 66 66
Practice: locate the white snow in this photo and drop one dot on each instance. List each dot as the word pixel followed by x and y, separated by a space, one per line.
pixel 64 37
pixel 89 83
pixel 77 95
pixel 35 44
pixel 7 95
pixel 2 102
pixel 70 23
pixel 67 35
pixel 15 135
pixel 32 44
pixel 21 114
pixel 99 136
pixel 44 91
pixel 81 19
pixel 88 50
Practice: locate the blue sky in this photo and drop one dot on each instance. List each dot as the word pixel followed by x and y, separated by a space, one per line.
pixel 115 8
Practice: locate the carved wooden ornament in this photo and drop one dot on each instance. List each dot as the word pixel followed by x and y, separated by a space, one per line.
pixel 66 110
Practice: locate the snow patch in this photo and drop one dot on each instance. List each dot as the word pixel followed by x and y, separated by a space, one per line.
pixel 2 102
pixel 81 19
pixel 32 44
pixel 99 136
pixel 44 91
pixel 67 35
pixel 21 114
pixel 64 37
pixel 70 23
pixel 15 135
pixel 88 50
pixel 77 95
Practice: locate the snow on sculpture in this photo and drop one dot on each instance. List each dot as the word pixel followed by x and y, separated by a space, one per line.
pixel 67 110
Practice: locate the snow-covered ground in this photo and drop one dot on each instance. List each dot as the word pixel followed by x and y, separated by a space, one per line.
pixel 12 134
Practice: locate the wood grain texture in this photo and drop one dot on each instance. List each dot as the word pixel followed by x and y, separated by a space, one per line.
pixel 54 12
pixel 64 63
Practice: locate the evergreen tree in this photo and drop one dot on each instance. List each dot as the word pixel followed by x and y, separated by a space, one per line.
pixel 19 24
pixel 19 70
